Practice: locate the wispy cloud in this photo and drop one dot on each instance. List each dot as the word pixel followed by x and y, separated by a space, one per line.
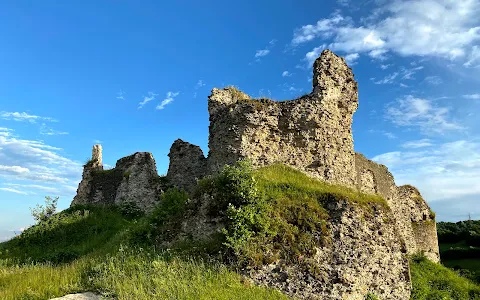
pixel 389 79
pixel 311 56
pixel 434 80
pixel 417 144
pixel 262 53
pixel 474 57
pixel 151 96
pixel 45 130
pixel 23 117
pixel 352 58
pixel 11 190
pixel 286 74
pixel 384 67
pixel 169 99
pixel 199 84
pixel 441 171
pixel 410 111
pixel 30 160
pixel 407 73
pixel 121 95
pixel 323 28
pixel 472 96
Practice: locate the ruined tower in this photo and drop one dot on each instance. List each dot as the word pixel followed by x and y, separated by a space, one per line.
pixel 312 133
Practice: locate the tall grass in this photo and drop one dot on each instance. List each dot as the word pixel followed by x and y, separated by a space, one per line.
pixel 130 274
pixel 431 281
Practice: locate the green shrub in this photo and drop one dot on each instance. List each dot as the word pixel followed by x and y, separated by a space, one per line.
pixel 41 213
pixel 163 224
pixel 131 210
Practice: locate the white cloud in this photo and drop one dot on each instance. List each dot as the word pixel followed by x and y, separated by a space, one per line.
pixel 387 79
pixel 286 74
pixel 442 28
pixel 422 113
pixel 169 99
pixel 449 170
pixel 30 160
pixel 11 190
pixel 435 80
pixel 45 130
pixel 389 135
pixel 151 96
pixel 323 28
pixel 351 58
pixel 51 190
pixel 14 169
pixel 472 96
pixel 121 95
pixel 199 84
pixel 417 144
pixel 262 53
pixel 23 117
pixel 408 73
pixel 311 56
pixel 384 67
pixel 379 54
pixel 473 58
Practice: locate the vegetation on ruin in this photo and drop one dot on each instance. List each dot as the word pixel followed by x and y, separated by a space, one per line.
pixel 117 250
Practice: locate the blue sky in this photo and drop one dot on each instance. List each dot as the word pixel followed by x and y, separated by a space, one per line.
pixel 135 76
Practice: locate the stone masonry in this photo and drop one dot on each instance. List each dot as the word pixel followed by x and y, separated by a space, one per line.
pixel 312 133
pixel 187 165
pixel 415 221
pixel 134 179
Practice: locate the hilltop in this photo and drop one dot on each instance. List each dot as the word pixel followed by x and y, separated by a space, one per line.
pixel 281 207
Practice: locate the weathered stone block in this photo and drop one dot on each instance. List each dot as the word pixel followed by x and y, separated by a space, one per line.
pixel 187 165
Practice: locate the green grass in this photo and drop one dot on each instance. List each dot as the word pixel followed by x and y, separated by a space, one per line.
pixel 68 235
pixel 431 281
pixel 130 274
pixel 275 212
pixel 78 250
pixel 277 178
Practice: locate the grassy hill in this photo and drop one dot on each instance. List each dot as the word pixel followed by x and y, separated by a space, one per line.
pixel 114 250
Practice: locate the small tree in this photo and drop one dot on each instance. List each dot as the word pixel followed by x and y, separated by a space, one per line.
pixel 41 213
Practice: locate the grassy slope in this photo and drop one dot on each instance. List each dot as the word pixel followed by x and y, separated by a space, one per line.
pixel 85 245
pixel 432 281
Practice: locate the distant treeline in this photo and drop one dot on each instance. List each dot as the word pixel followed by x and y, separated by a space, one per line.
pixel 468 231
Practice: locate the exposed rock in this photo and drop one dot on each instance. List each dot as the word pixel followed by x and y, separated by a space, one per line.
pixel 134 179
pixel 415 221
pixel 187 165
pixel 84 190
pixel 312 133
pixel 364 255
pixel 82 296
pixel 140 182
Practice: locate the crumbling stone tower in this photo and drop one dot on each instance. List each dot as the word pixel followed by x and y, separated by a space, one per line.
pixel 312 133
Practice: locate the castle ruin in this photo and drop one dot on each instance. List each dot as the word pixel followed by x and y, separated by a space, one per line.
pixel 312 134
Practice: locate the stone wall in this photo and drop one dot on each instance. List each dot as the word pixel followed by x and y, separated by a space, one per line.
pixel 187 165
pixel 134 179
pixel 415 221
pixel 312 133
